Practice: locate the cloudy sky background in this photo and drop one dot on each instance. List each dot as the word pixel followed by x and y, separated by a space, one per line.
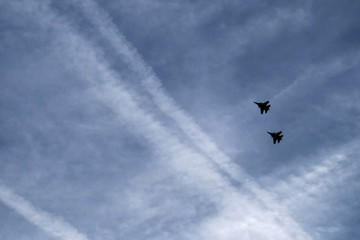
pixel 135 120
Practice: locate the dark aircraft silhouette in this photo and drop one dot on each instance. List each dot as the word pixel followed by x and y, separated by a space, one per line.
pixel 276 136
pixel 263 106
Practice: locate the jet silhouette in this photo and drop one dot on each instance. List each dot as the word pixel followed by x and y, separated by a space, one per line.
pixel 276 136
pixel 263 106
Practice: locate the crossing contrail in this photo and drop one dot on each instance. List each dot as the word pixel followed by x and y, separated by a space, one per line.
pixel 105 85
pixel 194 168
pixel 166 104
pixel 152 84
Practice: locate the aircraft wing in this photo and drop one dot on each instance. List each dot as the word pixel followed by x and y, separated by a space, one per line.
pixel 266 102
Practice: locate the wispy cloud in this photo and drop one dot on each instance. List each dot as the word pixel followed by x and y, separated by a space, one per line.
pixel 247 211
pixel 306 193
pixel 153 85
pixel 51 224
pixel 130 163
pixel 316 179
pixel 190 166
pixel 318 74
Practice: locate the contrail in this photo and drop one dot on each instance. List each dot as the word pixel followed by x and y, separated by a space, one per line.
pixel 166 104
pixel 85 60
pixel 320 73
pixel 153 85
pixel 88 62
pixel 193 168
pixel 318 178
pixel 52 225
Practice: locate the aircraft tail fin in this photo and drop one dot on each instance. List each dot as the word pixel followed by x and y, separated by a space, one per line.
pixel 267 108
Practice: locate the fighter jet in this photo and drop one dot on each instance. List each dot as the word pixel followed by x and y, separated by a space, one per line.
pixel 276 136
pixel 263 106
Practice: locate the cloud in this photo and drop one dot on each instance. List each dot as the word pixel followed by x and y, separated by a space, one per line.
pixel 153 85
pixel 318 74
pixel 310 191
pixel 182 186
pixel 166 104
pixel 191 167
pixel 52 225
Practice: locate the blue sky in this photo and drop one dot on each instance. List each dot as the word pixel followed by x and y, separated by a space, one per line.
pixel 135 120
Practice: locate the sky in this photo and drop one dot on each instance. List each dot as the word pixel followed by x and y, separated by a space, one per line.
pixel 135 120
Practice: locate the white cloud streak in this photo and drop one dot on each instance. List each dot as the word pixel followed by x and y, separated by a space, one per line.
pixel 49 223
pixel 238 216
pixel 307 193
pixel 152 84
pixel 167 105
pixel 319 73
pixel 317 179
pixel 83 59
pixel 198 170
